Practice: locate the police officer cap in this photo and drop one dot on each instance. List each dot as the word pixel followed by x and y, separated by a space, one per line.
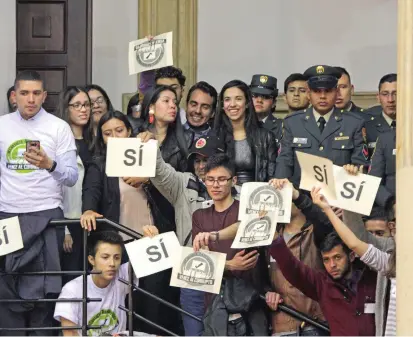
pixel 322 77
pixel 264 85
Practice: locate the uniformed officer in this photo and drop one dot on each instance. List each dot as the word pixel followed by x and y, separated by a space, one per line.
pixel 386 120
pixel 322 129
pixel 264 95
pixel 383 165
pixel 345 90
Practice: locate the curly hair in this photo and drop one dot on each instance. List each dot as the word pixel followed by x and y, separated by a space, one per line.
pixel 170 72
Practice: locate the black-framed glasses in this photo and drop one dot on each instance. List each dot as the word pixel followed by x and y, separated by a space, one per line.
pixel 79 106
pixel 222 181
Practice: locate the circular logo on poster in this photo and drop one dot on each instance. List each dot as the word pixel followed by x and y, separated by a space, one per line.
pixel 15 157
pixel 197 269
pixel 257 230
pixel 148 54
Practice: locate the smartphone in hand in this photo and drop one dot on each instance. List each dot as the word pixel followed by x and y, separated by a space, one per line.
pixel 32 144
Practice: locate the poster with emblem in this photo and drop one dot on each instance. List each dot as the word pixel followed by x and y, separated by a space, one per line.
pixel 202 270
pixel 256 197
pixel 256 231
pixel 145 54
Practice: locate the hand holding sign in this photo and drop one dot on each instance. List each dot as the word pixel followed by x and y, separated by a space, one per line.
pixel 317 171
pixel 255 230
pixel 201 270
pixel 150 53
pixel 129 157
pixel 256 197
pixel 152 255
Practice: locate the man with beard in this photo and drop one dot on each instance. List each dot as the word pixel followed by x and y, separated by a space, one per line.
pixel 200 107
pixel 295 89
pixel 264 95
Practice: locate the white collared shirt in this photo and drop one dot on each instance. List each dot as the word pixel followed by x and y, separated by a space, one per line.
pixel 326 116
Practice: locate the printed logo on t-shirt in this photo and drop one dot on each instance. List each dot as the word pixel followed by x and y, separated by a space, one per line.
pixel 15 158
pixel 106 319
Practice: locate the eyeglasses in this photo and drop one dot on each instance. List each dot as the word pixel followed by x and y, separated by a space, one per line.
pixel 79 106
pixel 222 181
pixel 98 101
pixel 263 96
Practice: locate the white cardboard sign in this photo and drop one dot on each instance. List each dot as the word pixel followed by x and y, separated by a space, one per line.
pixel 152 255
pixel 10 236
pixel 354 193
pixel 152 54
pixel 262 196
pixel 129 157
pixel 255 231
pixel 202 270
pixel 317 172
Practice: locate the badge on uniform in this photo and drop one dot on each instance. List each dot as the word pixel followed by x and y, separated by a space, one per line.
pixel 342 138
pixel 364 134
pixel 372 145
pixel 297 140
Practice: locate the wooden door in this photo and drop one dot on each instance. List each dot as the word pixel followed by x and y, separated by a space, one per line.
pixel 54 37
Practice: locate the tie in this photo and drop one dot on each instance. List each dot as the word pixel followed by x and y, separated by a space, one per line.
pixel 322 124
pixel 393 124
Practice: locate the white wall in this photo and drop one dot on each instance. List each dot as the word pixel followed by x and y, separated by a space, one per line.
pixel 115 24
pixel 8 49
pixel 239 38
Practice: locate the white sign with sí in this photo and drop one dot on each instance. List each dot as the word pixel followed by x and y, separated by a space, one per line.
pixel 202 270
pixel 256 231
pixel 145 54
pixel 317 172
pixel 130 157
pixel 11 239
pixel 256 197
pixel 152 255
pixel 355 193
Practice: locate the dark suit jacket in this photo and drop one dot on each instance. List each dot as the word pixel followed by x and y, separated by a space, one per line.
pixel 375 127
pixel 274 125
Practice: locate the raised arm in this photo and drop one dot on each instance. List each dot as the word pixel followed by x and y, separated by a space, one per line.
pixel 348 237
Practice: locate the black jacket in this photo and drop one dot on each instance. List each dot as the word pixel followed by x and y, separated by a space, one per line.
pixel 265 149
pixel 101 194
pixel 35 256
pixel 236 296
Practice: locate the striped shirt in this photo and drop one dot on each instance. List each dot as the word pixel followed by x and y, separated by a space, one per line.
pixel 379 261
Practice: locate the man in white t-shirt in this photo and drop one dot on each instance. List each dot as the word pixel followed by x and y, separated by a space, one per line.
pixel 37 157
pixel 105 255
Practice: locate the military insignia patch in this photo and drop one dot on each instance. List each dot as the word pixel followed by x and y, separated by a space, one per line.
pixel 201 142
pixel 365 152
pixel 264 79
pixel 319 70
pixel 364 134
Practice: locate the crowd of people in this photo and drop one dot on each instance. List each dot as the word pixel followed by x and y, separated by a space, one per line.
pixel 335 266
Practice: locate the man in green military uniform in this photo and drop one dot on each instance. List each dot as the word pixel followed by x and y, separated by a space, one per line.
pixel 322 129
pixel 345 91
pixel 386 120
pixel 264 96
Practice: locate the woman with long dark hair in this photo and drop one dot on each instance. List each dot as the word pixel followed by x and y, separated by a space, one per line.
pixel 160 112
pixel 100 103
pixel 133 204
pixel 74 108
pixel 253 148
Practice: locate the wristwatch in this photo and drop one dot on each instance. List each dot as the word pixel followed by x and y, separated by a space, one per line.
pixel 214 237
pixel 50 170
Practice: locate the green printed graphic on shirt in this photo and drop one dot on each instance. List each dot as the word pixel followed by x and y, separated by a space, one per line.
pixel 106 319
pixel 15 158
